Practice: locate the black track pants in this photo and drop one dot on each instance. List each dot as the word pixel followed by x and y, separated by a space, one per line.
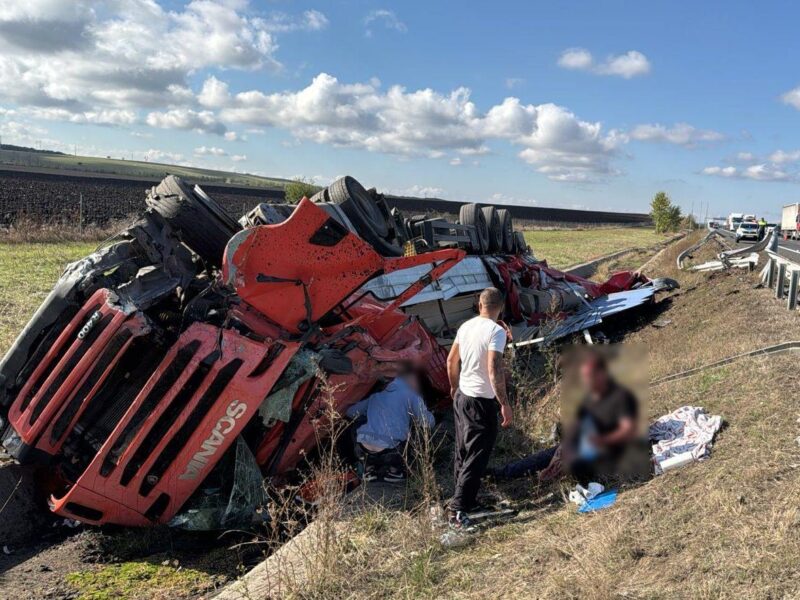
pixel 476 432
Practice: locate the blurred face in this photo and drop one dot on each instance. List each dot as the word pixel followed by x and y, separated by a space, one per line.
pixel 594 376
pixel 411 380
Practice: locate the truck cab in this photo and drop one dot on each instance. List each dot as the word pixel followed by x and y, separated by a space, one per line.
pixel 734 219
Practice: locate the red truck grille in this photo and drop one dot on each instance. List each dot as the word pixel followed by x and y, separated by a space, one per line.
pixel 206 389
pixel 71 372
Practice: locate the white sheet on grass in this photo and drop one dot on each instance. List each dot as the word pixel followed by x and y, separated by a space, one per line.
pixel 688 429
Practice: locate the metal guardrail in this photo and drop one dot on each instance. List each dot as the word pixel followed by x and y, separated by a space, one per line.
pixel 783 276
pixel 745 256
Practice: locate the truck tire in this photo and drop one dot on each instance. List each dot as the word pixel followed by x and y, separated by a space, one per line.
pixel 320 196
pixel 200 223
pixel 471 214
pixel 507 229
pixel 364 213
pixel 493 225
pixel 520 245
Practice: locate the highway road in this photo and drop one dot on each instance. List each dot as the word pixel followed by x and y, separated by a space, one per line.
pixel 789 249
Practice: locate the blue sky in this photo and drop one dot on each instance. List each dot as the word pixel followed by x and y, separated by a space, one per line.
pixel 587 104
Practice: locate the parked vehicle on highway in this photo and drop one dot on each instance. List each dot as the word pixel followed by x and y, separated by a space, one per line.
pixel 192 351
pixel 733 221
pixel 747 231
pixel 790 221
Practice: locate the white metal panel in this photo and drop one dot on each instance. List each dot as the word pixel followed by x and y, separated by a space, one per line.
pixel 469 275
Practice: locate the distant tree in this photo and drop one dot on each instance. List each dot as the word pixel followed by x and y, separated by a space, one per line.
pixel 689 222
pixel 666 216
pixel 298 188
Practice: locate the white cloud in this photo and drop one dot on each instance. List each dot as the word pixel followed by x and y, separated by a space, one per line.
pixel 98 117
pixel 721 171
pixel 311 20
pixel 387 18
pixel 203 121
pixel 513 82
pixel 681 134
pixel 782 157
pixel 745 157
pixel 792 98
pixel 214 94
pixel 239 157
pixel 628 65
pixel 155 155
pixel 209 151
pixel 456 162
pixel 91 57
pixel 418 191
pixel 428 123
pixel 631 64
pixel 759 172
pixel 576 58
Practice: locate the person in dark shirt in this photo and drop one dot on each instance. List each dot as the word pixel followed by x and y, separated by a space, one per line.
pixel 603 444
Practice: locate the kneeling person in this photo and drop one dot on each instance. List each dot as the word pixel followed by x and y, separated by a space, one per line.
pixel 389 415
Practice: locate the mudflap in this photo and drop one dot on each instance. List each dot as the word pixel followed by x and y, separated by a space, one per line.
pixel 190 411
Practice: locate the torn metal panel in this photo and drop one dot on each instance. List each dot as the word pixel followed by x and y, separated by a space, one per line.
pixel 470 275
pixel 589 316
pixel 746 262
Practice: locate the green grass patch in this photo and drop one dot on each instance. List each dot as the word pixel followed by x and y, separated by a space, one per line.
pixel 135 580
pixel 27 274
pixel 566 247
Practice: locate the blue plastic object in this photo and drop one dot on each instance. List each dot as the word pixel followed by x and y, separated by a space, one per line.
pixel 602 500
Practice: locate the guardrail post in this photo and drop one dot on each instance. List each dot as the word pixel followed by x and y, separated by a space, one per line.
pixel 793 279
pixel 780 280
pixel 771 273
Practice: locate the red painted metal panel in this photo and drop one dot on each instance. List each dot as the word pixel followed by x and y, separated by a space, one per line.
pixel 118 494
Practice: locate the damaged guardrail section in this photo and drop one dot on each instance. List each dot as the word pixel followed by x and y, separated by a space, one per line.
pixel 194 352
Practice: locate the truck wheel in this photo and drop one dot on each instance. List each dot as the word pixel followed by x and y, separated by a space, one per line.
pixel 493 225
pixel 365 214
pixel 507 229
pixel 199 221
pixel 520 245
pixel 471 214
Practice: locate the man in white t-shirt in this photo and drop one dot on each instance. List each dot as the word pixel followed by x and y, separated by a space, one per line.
pixel 477 384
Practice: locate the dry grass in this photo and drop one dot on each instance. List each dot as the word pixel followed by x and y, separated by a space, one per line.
pixel 25 231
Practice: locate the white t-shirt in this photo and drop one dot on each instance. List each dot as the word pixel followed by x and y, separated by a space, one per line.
pixel 475 339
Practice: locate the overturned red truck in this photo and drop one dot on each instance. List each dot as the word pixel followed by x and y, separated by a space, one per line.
pixel 190 331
